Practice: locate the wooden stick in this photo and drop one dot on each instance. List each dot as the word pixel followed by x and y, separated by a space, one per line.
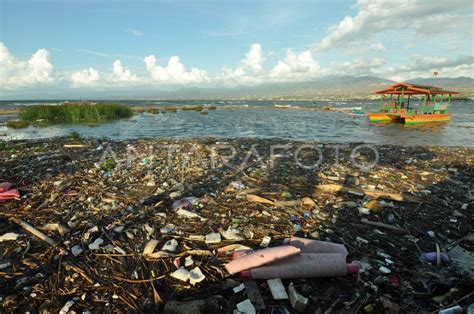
pixel 40 235
pixel 381 225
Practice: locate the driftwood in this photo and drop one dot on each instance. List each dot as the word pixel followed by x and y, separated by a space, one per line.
pixel 334 188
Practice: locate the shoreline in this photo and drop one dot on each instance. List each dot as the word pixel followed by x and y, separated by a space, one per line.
pixel 63 182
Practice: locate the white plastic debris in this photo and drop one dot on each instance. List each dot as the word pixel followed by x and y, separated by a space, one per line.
pixel 246 307
pixel 188 261
pixel 362 240
pixel 232 234
pixel 66 307
pixel 180 274
pixel 10 236
pixel 89 232
pixel 431 233
pixel 96 244
pixel 4 265
pixel 76 250
pixel 384 270
pixel 188 214
pixel 170 245
pixel 239 288
pixel 167 229
pixel 364 211
pixel 265 241
pixel 213 238
pixel 298 302
pixel 277 289
pixel 149 229
pixel 196 276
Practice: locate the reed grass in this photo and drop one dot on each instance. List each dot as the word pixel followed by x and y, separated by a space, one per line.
pixel 17 124
pixel 76 113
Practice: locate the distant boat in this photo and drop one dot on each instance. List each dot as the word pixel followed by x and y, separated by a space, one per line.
pixel 434 106
pixel 282 106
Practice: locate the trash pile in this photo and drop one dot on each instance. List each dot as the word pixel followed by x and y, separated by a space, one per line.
pixel 241 225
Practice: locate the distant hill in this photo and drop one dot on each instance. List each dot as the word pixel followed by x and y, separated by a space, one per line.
pixel 322 88
pixel 461 83
pixel 347 86
pixel 329 87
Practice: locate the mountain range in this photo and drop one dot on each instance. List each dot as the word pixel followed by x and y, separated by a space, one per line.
pixel 329 87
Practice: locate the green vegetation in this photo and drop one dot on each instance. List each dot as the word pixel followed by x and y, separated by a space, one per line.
pixel 153 110
pixel 75 135
pixel 196 108
pixel 76 113
pixel 18 124
pixel 171 109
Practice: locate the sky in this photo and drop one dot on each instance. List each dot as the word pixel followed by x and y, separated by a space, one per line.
pixel 58 47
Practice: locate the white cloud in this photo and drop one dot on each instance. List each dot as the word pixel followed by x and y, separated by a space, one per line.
pixel 296 66
pixel 249 71
pixel 376 16
pixel 358 66
pixel 174 72
pixel 254 58
pixel 16 74
pixel 85 78
pixel 422 66
pixel 377 47
pixel 135 32
pixel 121 74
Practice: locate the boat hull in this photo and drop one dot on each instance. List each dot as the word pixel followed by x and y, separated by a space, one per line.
pixel 428 118
pixel 382 117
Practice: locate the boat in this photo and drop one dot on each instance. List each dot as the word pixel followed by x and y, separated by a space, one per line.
pixel 413 104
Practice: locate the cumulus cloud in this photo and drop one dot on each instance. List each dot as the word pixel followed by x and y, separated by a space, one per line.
pixel 16 74
pixel 254 58
pixel 121 74
pixel 85 78
pixel 422 66
pixel 376 16
pixel 174 72
pixel 296 66
pixel 249 71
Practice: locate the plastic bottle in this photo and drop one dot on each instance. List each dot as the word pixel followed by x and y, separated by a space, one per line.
pixel 305 265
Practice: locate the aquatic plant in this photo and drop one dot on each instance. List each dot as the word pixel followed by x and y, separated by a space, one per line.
pixel 75 135
pixel 76 113
pixel 153 110
pixel 17 124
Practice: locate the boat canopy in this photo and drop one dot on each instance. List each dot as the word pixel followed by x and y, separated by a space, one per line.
pixel 413 89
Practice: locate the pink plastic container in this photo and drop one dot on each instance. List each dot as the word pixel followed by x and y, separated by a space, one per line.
pixel 304 266
pixel 261 257
pixel 315 246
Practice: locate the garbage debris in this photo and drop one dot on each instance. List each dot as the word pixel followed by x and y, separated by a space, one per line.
pixel 246 307
pixel 7 193
pixel 261 257
pixel 110 240
pixel 9 236
pixel 277 289
pixel 298 302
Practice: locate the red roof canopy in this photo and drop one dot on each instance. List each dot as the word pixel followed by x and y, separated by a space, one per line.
pixel 413 89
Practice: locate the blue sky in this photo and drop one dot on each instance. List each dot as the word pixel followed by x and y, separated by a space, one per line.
pixel 90 45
